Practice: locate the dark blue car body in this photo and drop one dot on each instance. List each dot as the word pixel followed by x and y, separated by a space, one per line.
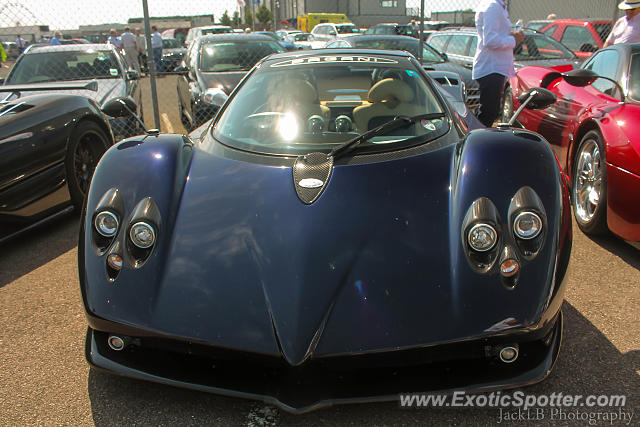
pixel 367 292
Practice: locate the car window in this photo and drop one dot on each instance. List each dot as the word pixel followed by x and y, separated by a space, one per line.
pixel 65 65
pixel 439 41
pixel 170 44
pixel 604 63
pixel 578 39
pixel 241 55
pixel 549 31
pixel 537 47
pixel 634 78
pixel 293 107
pixel 603 30
pixel 400 43
pixel 459 45
pixel 346 29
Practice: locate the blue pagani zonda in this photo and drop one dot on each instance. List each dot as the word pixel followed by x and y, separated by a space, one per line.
pixel 337 233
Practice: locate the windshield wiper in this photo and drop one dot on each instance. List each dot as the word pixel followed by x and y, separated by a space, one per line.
pixel 397 123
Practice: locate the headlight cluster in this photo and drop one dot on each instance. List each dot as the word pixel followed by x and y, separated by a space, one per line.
pixel 489 241
pixel 129 246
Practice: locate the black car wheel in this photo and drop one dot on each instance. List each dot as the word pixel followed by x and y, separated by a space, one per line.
pixel 589 186
pixel 87 144
pixel 183 118
pixel 507 105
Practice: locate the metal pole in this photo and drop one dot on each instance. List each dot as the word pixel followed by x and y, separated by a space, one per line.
pixel 151 64
pixel 420 47
pixel 253 16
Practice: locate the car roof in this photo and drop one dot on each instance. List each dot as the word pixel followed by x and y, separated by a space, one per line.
pixel 70 47
pixel 339 51
pixel 211 27
pixel 235 36
pixel 378 37
pixel 580 21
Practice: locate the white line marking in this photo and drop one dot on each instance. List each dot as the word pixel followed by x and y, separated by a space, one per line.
pixel 164 118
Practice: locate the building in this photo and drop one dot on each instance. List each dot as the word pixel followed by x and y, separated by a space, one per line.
pixel 363 13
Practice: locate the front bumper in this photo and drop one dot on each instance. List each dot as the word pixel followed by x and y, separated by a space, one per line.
pixel 471 366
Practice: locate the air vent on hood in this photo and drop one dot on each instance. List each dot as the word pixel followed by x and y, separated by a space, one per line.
pixel 14 108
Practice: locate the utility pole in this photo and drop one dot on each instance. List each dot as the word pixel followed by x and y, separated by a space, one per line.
pixel 421 31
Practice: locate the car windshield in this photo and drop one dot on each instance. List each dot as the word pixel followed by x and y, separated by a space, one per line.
pixel 238 55
pixel 216 31
pixel 64 65
pixel 170 44
pixel 302 105
pixel 538 46
pixel 401 43
pixel 347 29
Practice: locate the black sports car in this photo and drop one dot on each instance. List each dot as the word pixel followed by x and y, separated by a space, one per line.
pixel 49 147
pixel 216 63
pixel 335 234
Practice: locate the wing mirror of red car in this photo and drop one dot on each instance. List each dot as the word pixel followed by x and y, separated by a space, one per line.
pixel 580 77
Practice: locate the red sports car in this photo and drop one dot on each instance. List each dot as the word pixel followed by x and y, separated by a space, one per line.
pixel 592 127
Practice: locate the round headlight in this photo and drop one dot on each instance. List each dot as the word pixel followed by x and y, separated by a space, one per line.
pixel 106 223
pixel 482 237
pixel 142 235
pixel 527 225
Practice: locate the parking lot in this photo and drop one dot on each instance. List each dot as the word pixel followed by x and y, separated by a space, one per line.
pixel 46 381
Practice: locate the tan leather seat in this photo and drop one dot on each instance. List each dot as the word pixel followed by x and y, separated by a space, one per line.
pixel 387 99
pixel 306 103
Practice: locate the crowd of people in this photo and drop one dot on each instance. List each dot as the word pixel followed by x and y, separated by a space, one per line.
pixel 134 46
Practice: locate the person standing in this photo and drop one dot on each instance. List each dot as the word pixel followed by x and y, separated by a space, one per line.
pixel 627 28
pixel 141 43
pixel 130 47
pixel 156 48
pixel 20 43
pixel 493 62
pixel 55 40
pixel 113 38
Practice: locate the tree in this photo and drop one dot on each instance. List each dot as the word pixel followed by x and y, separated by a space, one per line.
pixel 225 20
pixel 248 16
pixel 263 15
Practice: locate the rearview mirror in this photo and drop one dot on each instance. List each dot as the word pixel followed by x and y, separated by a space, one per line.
pixel 120 107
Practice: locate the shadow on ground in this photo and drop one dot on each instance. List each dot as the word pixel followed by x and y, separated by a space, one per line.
pixel 588 364
pixel 34 248
pixel 619 247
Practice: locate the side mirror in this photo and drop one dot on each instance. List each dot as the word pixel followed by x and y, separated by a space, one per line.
pixel 181 69
pixel 580 77
pixel 120 107
pixel 445 56
pixel 215 97
pixel 538 97
pixel 133 75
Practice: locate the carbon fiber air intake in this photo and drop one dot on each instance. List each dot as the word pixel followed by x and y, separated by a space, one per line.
pixel 311 174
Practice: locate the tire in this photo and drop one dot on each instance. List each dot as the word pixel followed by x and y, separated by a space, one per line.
pixel 87 144
pixel 183 119
pixel 507 106
pixel 589 185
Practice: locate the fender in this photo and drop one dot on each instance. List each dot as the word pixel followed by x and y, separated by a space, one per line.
pixel 496 163
pixel 146 166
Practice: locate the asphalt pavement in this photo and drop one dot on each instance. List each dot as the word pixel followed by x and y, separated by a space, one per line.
pixel 46 381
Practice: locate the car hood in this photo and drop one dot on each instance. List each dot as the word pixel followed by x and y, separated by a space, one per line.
pixel 228 81
pixel 464 73
pixel 374 264
pixel 107 89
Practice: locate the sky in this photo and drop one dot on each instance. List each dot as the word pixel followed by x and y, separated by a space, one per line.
pixel 68 14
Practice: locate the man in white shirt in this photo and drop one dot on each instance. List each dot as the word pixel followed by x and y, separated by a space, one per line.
pixel 493 62
pixel 130 47
pixel 20 43
pixel 113 38
pixel 156 48
pixel 627 28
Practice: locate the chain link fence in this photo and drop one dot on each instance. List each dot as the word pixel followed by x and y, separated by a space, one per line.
pixel 175 70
